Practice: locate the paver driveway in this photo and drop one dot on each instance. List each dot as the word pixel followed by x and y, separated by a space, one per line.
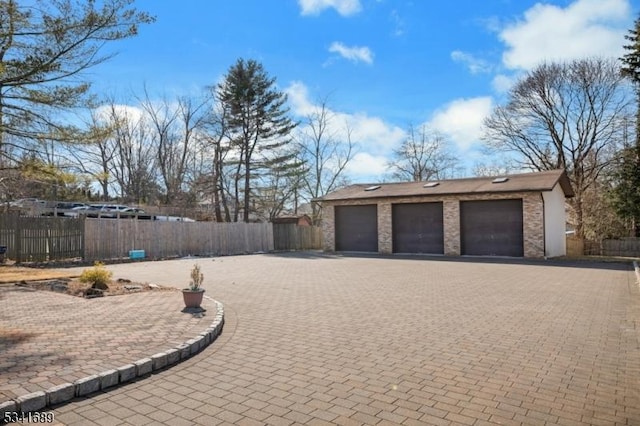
pixel 313 339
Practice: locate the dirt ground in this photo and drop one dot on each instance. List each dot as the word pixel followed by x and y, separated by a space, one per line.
pixel 76 288
pixel 40 279
pixel 10 273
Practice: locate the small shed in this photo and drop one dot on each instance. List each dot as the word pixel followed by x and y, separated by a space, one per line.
pixel 300 220
pixel 518 215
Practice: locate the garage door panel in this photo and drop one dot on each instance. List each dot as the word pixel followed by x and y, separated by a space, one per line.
pixel 492 227
pixel 418 228
pixel 356 228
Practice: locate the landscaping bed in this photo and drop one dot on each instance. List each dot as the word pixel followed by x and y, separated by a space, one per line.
pixel 74 287
pixel 59 280
pixel 11 274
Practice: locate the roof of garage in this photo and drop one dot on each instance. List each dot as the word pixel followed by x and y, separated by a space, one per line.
pixel 524 182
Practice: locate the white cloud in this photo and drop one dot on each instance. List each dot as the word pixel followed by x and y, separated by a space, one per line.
pixel 353 53
pixel 373 138
pixel 105 113
pixel 548 32
pixel 474 64
pixel 398 22
pixel 343 7
pixel 503 83
pixel 461 120
pixel 298 96
pixel 367 166
pixel 372 133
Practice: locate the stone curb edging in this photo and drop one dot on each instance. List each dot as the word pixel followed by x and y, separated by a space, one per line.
pixel 87 385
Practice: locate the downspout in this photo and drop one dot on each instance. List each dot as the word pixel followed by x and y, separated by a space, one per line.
pixel 544 228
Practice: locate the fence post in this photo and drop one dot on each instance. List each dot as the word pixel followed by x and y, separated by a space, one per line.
pixel 18 240
pixel 83 232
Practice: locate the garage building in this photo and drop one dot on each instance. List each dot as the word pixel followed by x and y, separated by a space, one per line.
pixel 520 215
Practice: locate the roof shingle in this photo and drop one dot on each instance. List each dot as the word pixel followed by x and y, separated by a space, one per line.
pixel 524 182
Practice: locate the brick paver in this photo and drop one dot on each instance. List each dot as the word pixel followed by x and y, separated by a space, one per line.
pixel 47 339
pixel 312 339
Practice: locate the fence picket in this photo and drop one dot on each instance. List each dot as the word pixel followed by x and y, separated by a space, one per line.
pixel 169 239
pixel 39 239
pixel 294 237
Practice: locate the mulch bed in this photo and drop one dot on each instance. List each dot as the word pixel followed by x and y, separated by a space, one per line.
pixel 76 288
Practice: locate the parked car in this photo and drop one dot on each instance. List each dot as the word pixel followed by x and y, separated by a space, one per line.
pixel 107 210
pixel 61 208
pixel 108 207
pixel 174 219
pixel 77 211
pixel 28 202
pixel 133 210
pixel 69 205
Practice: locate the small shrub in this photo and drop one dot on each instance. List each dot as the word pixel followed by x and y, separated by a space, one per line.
pixel 196 278
pixel 98 276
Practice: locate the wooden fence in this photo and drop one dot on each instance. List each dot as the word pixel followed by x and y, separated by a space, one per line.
pixel 41 239
pixel 294 237
pixel 624 247
pixel 575 246
pixel 112 238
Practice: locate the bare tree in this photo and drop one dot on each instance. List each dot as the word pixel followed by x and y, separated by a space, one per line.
pixel 214 145
pixel 495 167
pixel 161 119
pixel 175 128
pixel 564 115
pixel 326 154
pixel 423 155
pixel 95 158
pixel 132 165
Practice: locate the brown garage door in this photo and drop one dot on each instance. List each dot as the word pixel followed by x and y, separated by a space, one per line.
pixel 491 228
pixel 417 228
pixel 356 228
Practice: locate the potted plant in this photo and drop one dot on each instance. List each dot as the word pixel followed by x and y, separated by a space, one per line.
pixel 194 293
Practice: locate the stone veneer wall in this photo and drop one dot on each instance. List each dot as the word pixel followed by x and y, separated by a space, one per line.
pixel 532 210
pixel 328 227
pixel 451 224
pixel 533 223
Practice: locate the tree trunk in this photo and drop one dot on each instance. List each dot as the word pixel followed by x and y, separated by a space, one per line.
pixel 105 190
pixel 216 201
pixel 236 189
pixel 578 210
pixel 2 159
pixel 247 189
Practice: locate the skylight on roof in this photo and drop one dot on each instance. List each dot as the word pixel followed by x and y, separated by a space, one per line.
pixel 372 188
pixel 430 184
pixel 500 180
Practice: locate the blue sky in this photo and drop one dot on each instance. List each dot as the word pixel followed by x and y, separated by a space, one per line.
pixel 381 64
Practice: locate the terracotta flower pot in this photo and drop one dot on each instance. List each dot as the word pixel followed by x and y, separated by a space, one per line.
pixel 192 298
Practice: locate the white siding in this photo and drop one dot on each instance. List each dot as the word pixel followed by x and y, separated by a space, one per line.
pixel 554 222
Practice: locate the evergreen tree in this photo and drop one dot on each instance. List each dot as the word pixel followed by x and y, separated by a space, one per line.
pixel 631 67
pixel 626 193
pixel 278 186
pixel 258 124
pixel 45 47
pixel 631 60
